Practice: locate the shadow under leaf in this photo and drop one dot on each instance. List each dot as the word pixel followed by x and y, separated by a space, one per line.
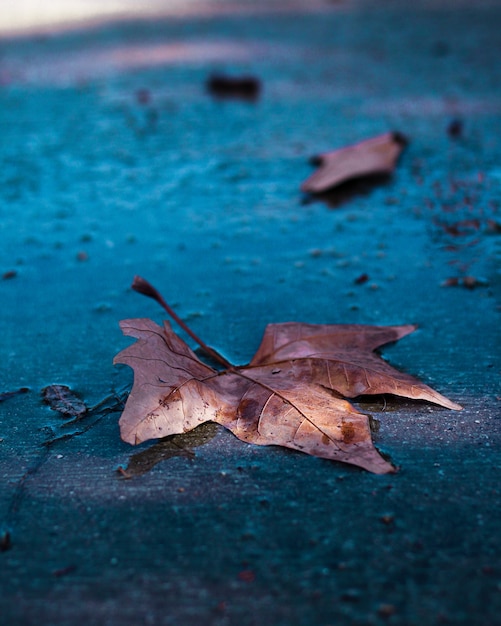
pixel 346 192
pixel 167 448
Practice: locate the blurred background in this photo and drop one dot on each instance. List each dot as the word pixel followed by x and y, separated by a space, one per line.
pixel 36 15
pixel 31 15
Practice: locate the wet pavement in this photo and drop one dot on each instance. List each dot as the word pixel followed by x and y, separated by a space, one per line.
pixel 115 161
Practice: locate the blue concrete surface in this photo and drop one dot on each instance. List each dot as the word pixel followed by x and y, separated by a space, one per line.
pixel 116 161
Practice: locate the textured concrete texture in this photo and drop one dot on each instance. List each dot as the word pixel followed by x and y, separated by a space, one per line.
pixel 116 161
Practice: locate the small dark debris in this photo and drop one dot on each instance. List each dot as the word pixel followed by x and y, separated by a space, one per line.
pixel 221 607
pixel 493 227
pixel 246 576
pixel 469 282
pixel 64 571
pixel 460 228
pixel 9 394
pixel 400 138
pixel 9 275
pixel 62 399
pixel 386 610
pixel 455 129
pixel 5 541
pixel 243 87
pixel 363 278
pixel 143 96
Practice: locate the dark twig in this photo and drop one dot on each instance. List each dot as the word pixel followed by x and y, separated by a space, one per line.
pixel 141 285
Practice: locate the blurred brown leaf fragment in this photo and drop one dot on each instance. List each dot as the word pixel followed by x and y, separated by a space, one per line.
pixel 372 157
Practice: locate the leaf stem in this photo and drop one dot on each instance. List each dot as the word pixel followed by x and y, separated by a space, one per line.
pixel 141 285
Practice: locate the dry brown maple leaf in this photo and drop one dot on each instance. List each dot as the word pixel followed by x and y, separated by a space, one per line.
pixel 289 395
pixel 375 156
